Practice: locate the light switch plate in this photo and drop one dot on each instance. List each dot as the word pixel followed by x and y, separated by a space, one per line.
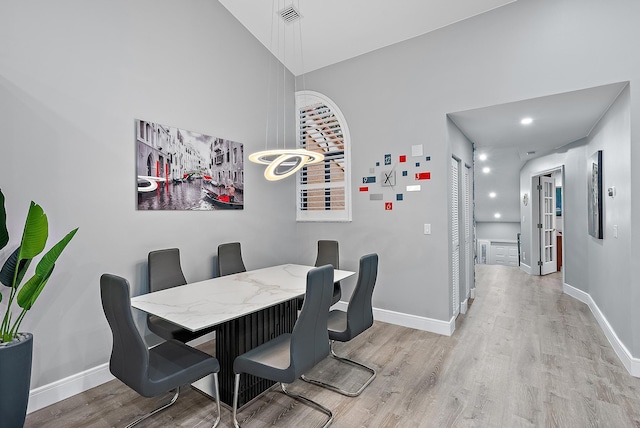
pixel 427 229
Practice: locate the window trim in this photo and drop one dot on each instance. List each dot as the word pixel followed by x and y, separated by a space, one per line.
pixel 306 98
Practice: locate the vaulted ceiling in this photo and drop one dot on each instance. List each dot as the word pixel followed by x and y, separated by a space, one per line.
pixel 331 31
pixel 335 30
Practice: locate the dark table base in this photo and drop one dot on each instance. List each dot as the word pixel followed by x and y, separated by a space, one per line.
pixel 238 336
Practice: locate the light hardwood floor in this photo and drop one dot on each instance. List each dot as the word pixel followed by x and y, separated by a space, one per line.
pixel 524 355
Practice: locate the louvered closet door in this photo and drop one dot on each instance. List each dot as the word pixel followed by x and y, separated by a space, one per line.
pixel 468 257
pixel 455 240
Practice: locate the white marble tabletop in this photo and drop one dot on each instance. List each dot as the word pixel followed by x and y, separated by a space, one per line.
pixel 206 303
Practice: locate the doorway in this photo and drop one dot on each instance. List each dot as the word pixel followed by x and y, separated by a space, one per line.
pixel 547 221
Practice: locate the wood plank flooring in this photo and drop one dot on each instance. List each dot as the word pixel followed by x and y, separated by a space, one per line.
pixel 524 355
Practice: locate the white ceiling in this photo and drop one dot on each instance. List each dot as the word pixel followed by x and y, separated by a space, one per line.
pixel 331 31
pixel 336 30
pixel 558 120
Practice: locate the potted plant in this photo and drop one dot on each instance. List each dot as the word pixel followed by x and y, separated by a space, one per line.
pixel 16 348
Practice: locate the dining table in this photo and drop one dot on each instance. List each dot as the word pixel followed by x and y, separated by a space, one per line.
pixel 246 309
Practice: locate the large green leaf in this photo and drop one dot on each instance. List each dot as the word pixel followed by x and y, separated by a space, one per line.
pixel 49 259
pixel 4 233
pixel 32 288
pixel 36 231
pixel 9 269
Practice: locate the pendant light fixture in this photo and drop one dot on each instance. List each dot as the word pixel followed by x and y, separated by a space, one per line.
pixel 283 162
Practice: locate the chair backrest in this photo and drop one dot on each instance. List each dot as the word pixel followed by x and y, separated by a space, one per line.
pixel 310 337
pixel 129 360
pixel 230 259
pixel 163 267
pixel 328 254
pixel 360 311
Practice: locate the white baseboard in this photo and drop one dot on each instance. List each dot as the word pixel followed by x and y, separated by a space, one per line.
pixel 64 388
pixel 525 268
pixel 630 363
pixel 464 306
pixel 445 328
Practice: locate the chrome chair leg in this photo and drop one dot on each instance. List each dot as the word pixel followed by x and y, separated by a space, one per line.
pixel 217 421
pixel 164 406
pixel 174 399
pixel 310 403
pixel 297 397
pixel 340 390
pixel 236 389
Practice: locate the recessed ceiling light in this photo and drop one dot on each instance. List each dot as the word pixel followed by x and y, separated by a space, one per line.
pixel 492 194
pixel 526 121
pixel 497 215
pixel 482 157
pixel 486 170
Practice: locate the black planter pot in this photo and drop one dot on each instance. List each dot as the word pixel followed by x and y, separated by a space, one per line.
pixel 15 379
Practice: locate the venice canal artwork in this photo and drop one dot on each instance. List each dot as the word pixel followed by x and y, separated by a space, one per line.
pixel 184 170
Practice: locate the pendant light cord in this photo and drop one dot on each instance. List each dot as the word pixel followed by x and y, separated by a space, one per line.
pixel 269 67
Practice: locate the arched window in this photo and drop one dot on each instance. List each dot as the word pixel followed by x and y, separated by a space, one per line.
pixel 324 189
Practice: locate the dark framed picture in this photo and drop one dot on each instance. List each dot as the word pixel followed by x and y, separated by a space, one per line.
pixel 595 195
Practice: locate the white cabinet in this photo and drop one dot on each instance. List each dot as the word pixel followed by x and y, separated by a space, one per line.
pixel 504 253
pixel 498 252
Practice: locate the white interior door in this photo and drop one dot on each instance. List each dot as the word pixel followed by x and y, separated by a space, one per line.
pixel 455 240
pixel 546 226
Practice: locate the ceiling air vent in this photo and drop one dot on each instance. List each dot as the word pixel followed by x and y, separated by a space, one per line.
pixel 289 14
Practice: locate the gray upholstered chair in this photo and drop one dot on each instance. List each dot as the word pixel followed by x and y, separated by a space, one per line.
pixel 344 326
pixel 164 271
pixel 155 371
pixel 230 259
pixel 328 254
pixel 286 357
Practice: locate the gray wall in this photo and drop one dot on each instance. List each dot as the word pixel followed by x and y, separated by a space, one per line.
pixel 73 77
pixel 497 230
pixel 609 259
pixel 399 95
pixel 600 268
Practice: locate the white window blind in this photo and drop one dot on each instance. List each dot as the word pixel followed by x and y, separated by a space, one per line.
pixel 324 188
